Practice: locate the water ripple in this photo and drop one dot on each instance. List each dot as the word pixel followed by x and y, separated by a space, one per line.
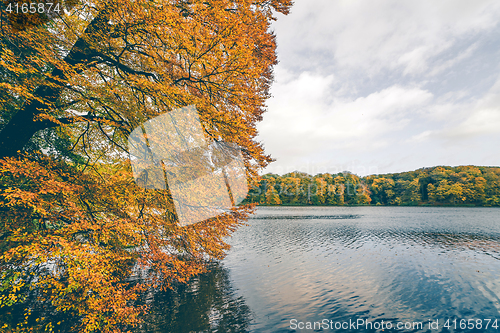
pixel 376 263
pixel 306 217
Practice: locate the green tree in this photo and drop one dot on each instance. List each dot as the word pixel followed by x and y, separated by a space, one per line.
pixel 272 197
pixel 411 192
pixel 382 189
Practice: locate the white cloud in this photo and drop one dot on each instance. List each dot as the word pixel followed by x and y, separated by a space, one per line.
pixel 421 137
pixel 463 120
pixel 484 121
pixel 390 84
pixel 307 117
pixel 372 116
pixel 455 60
pixel 380 35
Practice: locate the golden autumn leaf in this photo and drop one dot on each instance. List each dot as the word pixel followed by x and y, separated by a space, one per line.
pixel 74 225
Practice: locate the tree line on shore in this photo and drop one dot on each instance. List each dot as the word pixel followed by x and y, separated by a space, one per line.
pixel 440 185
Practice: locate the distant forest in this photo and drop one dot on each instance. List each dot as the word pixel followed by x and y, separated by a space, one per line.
pixel 437 186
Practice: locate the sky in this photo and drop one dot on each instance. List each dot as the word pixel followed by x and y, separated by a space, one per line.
pixel 384 86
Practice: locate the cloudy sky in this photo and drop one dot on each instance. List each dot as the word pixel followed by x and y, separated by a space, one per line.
pixel 385 86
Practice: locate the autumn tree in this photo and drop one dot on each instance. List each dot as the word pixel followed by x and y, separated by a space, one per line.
pixel 336 190
pixel 382 189
pixel 462 185
pixel 74 225
pixel 272 196
pixel 319 188
pixel 363 195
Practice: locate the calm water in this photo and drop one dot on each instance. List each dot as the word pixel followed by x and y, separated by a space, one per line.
pixel 295 265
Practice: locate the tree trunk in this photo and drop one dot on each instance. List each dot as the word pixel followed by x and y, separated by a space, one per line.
pixel 22 126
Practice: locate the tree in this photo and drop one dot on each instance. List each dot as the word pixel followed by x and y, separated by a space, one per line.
pixel 479 190
pixel 272 197
pixel 336 194
pixel 410 191
pixel 363 195
pixel 75 226
pixel 382 188
pixel 320 187
pixel 431 193
pixel 455 193
pixel 336 191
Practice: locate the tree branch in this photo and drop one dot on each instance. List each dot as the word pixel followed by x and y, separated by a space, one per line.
pixel 46 123
pixel 22 126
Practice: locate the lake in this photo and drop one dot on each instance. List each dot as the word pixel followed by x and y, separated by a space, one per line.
pixel 347 269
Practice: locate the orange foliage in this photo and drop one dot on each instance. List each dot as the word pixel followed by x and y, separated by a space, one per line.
pixel 74 227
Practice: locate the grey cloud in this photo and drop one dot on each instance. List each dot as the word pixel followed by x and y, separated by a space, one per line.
pixel 389 84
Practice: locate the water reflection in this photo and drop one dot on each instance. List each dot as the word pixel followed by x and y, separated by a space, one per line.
pixel 207 303
pixel 305 217
pixel 387 263
pixel 354 234
pixel 341 264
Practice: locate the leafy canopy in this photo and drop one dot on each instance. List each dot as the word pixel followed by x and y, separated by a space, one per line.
pixel 74 227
